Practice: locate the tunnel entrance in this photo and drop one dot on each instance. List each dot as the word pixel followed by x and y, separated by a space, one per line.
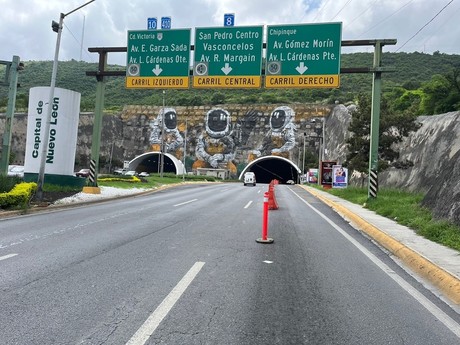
pixel 150 162
pixel 269 168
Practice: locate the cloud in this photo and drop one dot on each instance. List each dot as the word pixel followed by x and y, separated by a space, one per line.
pixel 26 24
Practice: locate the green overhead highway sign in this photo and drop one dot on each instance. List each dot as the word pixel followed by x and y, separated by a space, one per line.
pixel 158 59
pixel 228 57
pixel 303 56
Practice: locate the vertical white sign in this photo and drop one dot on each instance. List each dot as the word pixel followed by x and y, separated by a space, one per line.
pixel 60 153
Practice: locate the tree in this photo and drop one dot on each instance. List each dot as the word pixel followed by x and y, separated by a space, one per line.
pixel 393 128
pixel 442 93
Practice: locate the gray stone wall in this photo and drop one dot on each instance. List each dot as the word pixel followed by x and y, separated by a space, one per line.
pixel 126 135
pixel 433 152
pixel 434 149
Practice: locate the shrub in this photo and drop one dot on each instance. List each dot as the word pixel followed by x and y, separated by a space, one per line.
pixel 18 196
pixel 7 183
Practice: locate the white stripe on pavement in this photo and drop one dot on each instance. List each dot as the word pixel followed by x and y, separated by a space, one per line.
pixel 248 204
pixel 184 203
pixel 149 326
pixel 450 323
pixel 7 256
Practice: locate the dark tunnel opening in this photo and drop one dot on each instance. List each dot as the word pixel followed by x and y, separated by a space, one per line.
pixel 151 164
pixel 270 169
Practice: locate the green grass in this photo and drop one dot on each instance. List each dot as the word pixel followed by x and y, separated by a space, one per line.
pixel 406 209
pixel 152 181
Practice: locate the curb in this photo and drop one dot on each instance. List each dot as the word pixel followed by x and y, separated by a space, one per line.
pixel 57 207
pixel 443 280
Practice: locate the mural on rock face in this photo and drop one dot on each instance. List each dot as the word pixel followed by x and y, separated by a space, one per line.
pixel 173 140
pixel 221 144
pixel 215 147
pixel 280 139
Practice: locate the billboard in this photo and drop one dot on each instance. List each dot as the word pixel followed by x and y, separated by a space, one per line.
pixel 63 130
pixel 339 177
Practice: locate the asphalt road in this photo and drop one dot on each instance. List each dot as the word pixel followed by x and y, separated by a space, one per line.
pixel 182 266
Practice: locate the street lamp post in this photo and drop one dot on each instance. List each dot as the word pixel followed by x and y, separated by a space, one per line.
pixel 162 146
pixel 57 27
pixel 185 150
pixel 303 161
pixel 323 135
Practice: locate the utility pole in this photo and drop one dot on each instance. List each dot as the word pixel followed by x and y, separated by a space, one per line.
pixel 11 74
pixel 162 148
pixel 57 27
pixel 303 161
pixel 185 150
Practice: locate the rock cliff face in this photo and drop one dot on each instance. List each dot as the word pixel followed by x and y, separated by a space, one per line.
pixel 434 150
pixel 128 134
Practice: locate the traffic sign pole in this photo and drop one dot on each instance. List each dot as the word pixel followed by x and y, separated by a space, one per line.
pixel 375 123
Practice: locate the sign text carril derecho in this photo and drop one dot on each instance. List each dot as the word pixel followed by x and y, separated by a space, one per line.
pixel 303 56
pixel 158 59
pixel 297 56
pixel 52 133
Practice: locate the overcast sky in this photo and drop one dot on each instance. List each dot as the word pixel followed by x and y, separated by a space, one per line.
pixel 25 25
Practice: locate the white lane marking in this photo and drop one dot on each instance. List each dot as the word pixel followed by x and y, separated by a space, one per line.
pixel 268 262
pixel 7 256
pixel 185 203
pixel 248 204
pixel 450 323
pixel 152 322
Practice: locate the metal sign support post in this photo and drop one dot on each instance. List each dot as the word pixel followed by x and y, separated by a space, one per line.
pixel 375 121
pixel 98 114
pixel 12 68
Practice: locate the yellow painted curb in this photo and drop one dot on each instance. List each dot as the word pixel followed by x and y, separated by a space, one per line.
pixel 91 190
pixel 446 282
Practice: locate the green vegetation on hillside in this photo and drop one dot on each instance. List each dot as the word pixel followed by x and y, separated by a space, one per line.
pixel 424 83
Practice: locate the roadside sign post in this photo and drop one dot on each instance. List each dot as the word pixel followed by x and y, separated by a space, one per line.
pixel 158 59
pixel 228 57
pixel 303 56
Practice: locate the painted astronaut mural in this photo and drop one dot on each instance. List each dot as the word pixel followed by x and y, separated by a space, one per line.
pixel 215 147
pixel 280 139
pixel 173 139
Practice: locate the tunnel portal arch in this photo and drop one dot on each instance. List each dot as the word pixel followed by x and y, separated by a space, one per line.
pixel 268 168
pixel 150 162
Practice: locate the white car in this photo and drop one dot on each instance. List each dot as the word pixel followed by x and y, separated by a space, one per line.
pixel 249 178
pixel 144 174
pixel 16 170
